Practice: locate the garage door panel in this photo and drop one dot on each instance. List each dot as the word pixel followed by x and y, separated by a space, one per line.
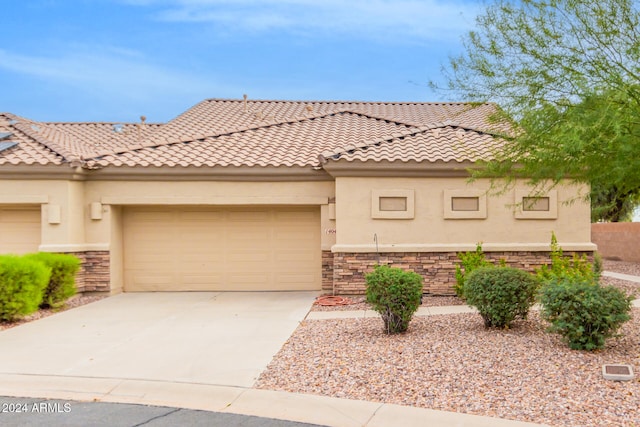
pixel 20 229
pixel 248 216
pixel 297 256
pixel 206 280
pixel 292 279
pixel 222 248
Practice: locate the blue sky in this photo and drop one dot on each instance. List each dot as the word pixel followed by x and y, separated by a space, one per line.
pixel 113 61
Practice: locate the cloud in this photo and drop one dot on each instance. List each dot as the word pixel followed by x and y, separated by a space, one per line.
pixel 108 70
pixel 373 19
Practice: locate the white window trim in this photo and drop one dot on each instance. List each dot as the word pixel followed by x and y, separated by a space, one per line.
pixel 481 213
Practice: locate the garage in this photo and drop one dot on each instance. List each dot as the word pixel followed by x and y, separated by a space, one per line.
pixel 221 249
pixel 20 229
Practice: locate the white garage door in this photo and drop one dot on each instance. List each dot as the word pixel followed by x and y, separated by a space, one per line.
pixel 19 230
pixel 198 249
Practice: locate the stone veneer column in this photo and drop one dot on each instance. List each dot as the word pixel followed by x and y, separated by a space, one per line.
pixel 94 271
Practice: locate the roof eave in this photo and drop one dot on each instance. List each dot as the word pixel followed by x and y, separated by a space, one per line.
pixel 38 171
pixel 218 173
pixel 343 168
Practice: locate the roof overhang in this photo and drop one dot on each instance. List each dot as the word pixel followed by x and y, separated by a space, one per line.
pixel 37 171
pixel 399 169
pixel 220 173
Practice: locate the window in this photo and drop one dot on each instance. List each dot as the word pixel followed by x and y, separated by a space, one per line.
pixel 465 204
pixel 392 204
pixel 534 206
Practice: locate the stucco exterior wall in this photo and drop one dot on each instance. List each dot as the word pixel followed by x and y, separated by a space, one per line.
pixel 428 230
pixel 86 217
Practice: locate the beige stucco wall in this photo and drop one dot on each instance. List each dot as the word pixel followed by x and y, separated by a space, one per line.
pixel 62 204
pixel 428 230
pixel 220 193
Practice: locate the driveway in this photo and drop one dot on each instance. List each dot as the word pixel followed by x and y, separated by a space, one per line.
pixel 217 338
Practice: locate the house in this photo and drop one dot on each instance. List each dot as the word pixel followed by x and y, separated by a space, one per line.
pixel 272 195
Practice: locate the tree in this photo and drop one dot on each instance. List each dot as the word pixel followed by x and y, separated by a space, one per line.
pixel 566 74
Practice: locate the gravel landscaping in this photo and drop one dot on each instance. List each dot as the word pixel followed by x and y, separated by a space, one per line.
pixel 623 267
pixel 452 363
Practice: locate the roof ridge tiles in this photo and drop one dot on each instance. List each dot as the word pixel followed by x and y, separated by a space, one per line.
pixel 342 101
pixel 185 138
pixel 326 155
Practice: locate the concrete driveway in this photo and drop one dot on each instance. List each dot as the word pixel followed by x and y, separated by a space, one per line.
pixel 217 338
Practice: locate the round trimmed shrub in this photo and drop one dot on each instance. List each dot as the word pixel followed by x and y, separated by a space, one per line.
pixel 501 294
pixel 22 282
pixel 395 294
pixel 583 312
pixel 62 283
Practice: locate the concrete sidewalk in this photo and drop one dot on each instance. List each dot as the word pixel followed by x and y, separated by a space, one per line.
pixel 302 408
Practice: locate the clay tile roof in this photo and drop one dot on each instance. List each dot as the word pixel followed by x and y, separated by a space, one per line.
pixel 287 144
pixel 90 138
pixel 439 143
pixel 29 150
pixel 261 133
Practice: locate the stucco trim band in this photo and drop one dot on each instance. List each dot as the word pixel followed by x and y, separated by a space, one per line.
pixel 84 247
pixel 23 199
pixel 214 200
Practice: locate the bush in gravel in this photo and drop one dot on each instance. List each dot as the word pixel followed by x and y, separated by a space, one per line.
pixel 470 261
pixel 62 283
pixel 584 312
pixel 577 268
pixel 22 282
pixel 395 294
pixel 501 294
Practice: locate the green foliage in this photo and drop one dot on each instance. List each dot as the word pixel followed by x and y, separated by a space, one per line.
pixel 583 312
pixel 22 282
pixel 395 294
pixel 566 74
pixel 598 266
pixel 61 285
pixel 501 295
pixel 470 261
pixel 577 268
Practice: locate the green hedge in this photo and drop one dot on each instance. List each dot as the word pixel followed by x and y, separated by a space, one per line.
pixel 62 284
pixel 395 294
pixel 22 283
pixel 501 294
pixel 584 312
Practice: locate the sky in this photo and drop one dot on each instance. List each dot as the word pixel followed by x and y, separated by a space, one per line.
pixel 113 61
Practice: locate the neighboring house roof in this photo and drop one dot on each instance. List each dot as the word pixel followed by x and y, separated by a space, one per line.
pixel 247 133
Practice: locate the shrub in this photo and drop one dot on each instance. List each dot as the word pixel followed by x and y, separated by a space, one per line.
pixel 576 268
pixel 598 266
pixel 470 261
pixel 395 294
pixel 62 284
pixel 501 294
pixel 583 312
pixel 22 282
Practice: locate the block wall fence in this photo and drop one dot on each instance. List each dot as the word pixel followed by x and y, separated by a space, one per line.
pixel 617 240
